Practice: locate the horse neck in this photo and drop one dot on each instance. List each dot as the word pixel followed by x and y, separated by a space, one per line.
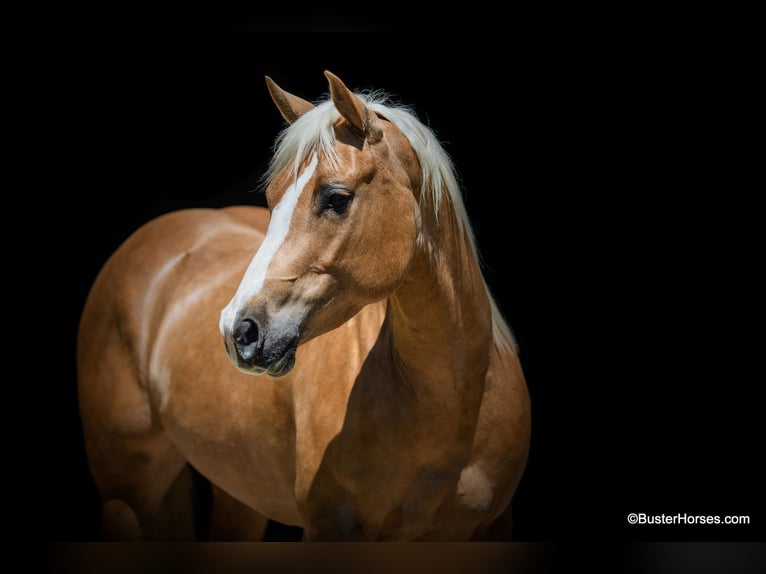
pixel 440 319
pixel 422 383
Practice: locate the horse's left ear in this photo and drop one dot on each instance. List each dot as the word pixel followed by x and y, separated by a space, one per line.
pixel 362 119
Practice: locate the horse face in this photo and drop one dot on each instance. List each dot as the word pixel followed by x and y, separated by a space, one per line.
pixel 341 235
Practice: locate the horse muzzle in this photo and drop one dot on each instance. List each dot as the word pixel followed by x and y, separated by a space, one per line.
pixel 261 347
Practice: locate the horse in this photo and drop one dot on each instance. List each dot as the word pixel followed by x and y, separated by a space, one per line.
pixel 333 362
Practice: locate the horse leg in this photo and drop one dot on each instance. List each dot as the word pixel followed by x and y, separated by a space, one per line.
pixel 232 520
pixel 146 492
pixel 146 500
pixel 141 477
pixel 498 529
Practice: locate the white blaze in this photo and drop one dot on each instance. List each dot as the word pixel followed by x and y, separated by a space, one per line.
pixel 279 226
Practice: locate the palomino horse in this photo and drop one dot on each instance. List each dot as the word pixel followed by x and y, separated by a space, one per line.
pixel 391 403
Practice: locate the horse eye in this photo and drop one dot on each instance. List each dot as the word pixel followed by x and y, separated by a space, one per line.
pixel 336 200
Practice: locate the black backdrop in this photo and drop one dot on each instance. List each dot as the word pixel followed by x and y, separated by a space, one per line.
pixel 604 183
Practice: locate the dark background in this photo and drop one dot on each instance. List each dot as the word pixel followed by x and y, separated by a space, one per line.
pixel 606 180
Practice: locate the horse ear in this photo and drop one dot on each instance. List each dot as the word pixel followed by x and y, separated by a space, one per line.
pixel 360 117
pixel 291 107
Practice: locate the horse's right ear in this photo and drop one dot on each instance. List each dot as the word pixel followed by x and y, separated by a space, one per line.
pixel 291 107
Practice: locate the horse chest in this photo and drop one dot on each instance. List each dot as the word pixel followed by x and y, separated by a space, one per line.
pixel 380 496
pixel 239 438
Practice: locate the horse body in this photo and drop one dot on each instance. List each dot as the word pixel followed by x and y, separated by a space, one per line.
pixel 394 406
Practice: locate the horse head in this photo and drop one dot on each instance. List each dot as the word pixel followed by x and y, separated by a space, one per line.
pixel 343 194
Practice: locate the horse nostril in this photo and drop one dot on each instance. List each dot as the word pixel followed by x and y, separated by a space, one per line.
pixel 245 338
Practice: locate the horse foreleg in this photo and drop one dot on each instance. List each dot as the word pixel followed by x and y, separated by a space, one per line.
pixel 498 529
pixel 232 520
